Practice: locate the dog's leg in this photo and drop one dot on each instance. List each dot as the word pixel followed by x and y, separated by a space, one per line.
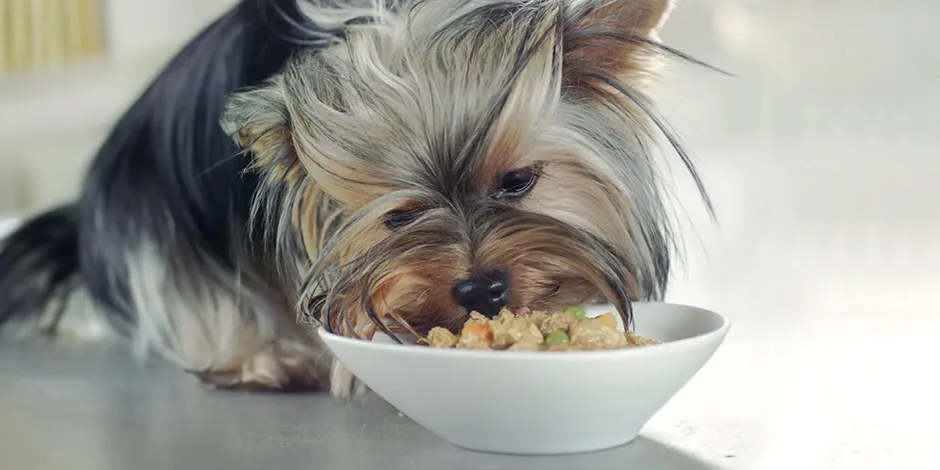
pixel 281 365
pixel 228 329
pixel 218 320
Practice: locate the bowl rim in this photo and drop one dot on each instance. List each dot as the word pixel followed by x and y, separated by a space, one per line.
pixel 413 349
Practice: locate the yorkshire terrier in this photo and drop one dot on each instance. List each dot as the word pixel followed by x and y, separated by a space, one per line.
pixel 368 167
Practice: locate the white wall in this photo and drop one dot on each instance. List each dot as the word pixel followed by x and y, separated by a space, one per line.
pixel 140 26
pixel 51 123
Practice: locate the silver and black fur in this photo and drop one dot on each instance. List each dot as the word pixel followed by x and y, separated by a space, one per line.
pixel 368 167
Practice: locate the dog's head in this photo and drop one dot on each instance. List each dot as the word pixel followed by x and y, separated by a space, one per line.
pixel 448 156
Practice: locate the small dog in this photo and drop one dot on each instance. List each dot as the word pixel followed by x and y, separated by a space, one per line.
pixel 379 167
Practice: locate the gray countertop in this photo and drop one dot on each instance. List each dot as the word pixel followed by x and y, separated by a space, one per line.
pixel 93 408
pixel 822 160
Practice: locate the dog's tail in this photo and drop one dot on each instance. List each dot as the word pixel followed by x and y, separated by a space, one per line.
pixel 38 269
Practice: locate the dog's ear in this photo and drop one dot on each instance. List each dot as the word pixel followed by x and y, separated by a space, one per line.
pixel 611 38
pixel 277 124
pixel 258 121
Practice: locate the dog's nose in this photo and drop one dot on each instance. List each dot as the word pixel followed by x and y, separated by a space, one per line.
pixel 485 294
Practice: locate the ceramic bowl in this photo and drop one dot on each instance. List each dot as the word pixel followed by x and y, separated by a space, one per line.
pixel 540 402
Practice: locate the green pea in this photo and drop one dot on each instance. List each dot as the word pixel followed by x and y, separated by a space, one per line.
pixel 556 337
pixel 579 313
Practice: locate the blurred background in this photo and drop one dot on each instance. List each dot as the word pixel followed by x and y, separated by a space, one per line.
pixel 822 154
pixel 68 68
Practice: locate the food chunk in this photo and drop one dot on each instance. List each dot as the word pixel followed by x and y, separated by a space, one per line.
pixel 441 338
pixel 476 336
pixel 592 334
pixel 526 330
pixel 558 321
pixel 608 319
pixel 557 337
pixel 635 340
pixel 509 329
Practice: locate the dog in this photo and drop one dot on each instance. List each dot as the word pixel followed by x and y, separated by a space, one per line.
pixel 368 167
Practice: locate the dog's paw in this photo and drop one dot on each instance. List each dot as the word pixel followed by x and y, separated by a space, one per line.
pixel 282 366
pixel 343 384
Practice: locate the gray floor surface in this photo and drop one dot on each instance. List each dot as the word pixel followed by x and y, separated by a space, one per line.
pixel 92 408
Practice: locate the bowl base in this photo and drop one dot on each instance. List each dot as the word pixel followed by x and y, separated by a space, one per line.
pixel 572 451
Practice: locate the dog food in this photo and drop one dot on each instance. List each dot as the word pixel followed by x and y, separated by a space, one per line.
pixel 568 330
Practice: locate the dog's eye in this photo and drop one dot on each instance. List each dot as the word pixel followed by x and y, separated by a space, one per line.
pixel 400 218
pixel 518 183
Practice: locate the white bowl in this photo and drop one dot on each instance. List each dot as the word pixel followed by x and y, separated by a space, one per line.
pixel 539 402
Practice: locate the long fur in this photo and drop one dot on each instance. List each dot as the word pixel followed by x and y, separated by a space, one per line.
pixel 158 237
pixel 349 112
pixel 421 107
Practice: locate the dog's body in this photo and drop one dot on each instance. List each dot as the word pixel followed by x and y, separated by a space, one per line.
pixel 389 183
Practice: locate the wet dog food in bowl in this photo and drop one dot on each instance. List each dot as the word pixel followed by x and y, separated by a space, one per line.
pixel 568 330
pixel 516 401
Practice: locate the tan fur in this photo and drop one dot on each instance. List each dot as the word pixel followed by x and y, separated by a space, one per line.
pixel 631 62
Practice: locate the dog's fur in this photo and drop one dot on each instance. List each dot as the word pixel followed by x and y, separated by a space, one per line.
pixel 378 140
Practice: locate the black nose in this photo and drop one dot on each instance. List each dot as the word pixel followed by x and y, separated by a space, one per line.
pixel 485 294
